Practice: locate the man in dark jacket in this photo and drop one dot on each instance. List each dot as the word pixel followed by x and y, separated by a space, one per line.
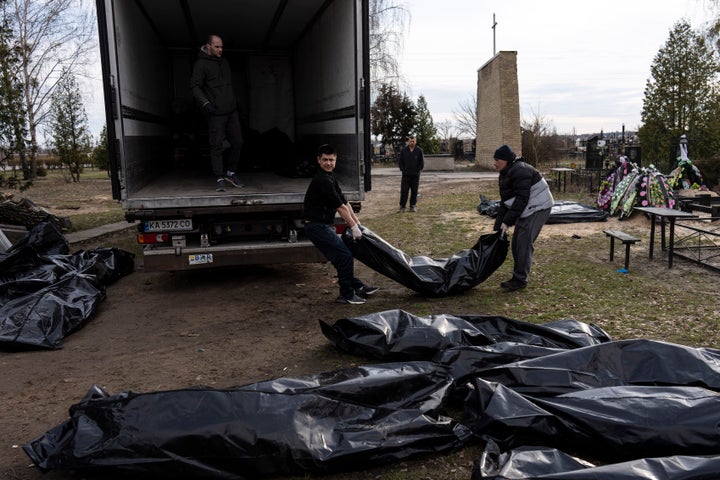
pixel 411 163
pixel 211 85
pixel 323 200
pixel 525 203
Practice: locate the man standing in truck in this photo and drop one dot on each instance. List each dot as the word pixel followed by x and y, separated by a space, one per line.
pixel 323 200
pixel 211 85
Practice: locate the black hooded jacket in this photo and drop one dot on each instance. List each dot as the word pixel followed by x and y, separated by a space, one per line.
pixel 211 81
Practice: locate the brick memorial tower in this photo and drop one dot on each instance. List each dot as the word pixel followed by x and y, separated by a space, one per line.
pixel 498 108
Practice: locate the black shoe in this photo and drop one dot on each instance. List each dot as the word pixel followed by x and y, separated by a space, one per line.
pixel 234 180
pixel 220 185
pixel 365 290
pixel 355 300
pixel 513 285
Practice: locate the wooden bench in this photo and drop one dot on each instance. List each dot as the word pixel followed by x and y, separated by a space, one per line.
pixel 713 209
pixel 626 239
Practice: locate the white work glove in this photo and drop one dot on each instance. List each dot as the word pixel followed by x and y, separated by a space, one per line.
pixel 503 229
pixel 356 233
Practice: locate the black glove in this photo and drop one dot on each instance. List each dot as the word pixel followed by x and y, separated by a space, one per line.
pixel 209 108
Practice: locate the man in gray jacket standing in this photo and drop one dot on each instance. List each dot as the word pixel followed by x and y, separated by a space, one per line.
pixel 211 85
pixel 525 203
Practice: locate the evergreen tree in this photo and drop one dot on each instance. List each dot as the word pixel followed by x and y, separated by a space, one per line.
pixel 69 125
pixel 12 113
pixel 681 97
pixel 425 131
pixel 101 153
pixel 392 116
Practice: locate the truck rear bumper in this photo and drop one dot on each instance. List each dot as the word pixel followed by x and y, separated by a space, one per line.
pixel 171 259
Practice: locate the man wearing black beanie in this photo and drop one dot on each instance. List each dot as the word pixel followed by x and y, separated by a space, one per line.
pixel 525 203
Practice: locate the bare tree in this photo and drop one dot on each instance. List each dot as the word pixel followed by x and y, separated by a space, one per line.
pixel 539 139
pixel 446 129
pixel 466 117
pixel 446 132
pixel 387 23
pixel 52 36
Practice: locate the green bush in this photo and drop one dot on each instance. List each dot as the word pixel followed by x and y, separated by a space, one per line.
pixel 710 170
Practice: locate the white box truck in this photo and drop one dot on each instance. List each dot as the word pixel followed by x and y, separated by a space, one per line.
pixel 300 72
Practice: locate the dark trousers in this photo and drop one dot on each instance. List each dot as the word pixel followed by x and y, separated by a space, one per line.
pixel 409 183
pixel 524 235
pixel 221 128
pixel 323 236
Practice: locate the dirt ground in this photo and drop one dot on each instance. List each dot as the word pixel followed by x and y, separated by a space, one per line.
pixel 220 328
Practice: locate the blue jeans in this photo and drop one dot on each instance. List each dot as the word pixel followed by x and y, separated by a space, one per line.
pixel 323 236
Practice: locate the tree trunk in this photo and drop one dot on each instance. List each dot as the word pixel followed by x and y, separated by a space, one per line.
pixel 20 142
pixel 32 128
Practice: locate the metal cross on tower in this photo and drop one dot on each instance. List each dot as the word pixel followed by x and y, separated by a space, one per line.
pixel 493 29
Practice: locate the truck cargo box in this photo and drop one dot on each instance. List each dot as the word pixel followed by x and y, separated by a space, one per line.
pixel 300 72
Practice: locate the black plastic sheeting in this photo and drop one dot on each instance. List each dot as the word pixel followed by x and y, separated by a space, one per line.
pixel 431 277
pixel 634 401
pixel 397 335
pixel 564 386
pixel 335 421
pixel 573 212
pixel 561 212
pixel 46 294
pixel 557 400
pixel 551 464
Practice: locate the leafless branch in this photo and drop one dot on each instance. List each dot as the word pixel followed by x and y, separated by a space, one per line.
pixel 52 36
pixel 466 117
pixel 388 19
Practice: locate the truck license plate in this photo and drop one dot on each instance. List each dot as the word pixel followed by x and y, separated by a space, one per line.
pixel 182 224
pixel 200 258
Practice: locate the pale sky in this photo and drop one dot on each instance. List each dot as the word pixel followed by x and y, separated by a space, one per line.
pixel 582 65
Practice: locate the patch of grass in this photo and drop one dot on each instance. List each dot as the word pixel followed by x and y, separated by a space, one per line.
pixel 570 278
pixel 86 174
pixel 85 221
pixel 438 229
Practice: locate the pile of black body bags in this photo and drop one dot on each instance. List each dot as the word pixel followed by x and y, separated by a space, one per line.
pixel 46 293
pixel 558 400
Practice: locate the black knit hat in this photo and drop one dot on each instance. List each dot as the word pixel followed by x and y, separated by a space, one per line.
pixel 504 153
